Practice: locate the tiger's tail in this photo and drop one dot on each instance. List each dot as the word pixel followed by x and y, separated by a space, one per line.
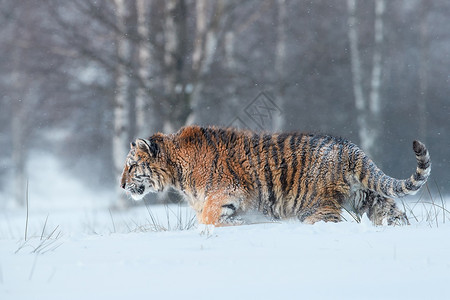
pixel 374 179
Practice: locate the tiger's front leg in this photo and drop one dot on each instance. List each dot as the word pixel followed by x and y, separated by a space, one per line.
pixel 220 210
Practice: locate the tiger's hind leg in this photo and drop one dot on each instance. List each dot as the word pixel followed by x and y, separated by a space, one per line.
pixel 322 210
pixel 382 210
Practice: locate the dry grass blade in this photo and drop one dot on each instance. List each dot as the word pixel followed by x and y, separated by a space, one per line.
pixel 43 229
pixel 112 220
pixel 409 211
pixel 442 202
pixel 183 221
pixel 42 244
pixel 438 206
pixel 26 220
pixel 427 208
pixel 433 207
pixel 45 244
pixel 352 213
pixel 32 268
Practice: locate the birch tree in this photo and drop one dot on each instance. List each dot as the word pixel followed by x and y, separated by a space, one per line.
pixel 145 122
pixel 121 100
pixel 24 100
pixel 175 53
pixel 423 70
pixel 280 61
pixel 208 28
pixel 367 106
pixel 18 132
pixel 230 64
pixel 19 156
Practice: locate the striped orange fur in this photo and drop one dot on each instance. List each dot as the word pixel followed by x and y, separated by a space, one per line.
pixel 226 172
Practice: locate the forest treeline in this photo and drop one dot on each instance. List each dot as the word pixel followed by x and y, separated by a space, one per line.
pixel 82 78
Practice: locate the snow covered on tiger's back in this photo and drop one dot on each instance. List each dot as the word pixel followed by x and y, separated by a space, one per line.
pixel 225 172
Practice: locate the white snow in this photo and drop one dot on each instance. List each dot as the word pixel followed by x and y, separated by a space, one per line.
pixel 97 254
pixel 118 256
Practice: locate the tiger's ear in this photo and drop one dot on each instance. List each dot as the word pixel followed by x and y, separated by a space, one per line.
pixel 151 147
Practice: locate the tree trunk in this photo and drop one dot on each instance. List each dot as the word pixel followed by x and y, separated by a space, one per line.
pixel 175 52
pixel 18 152
pixel 360 102
pixel 122 99
pixel 368 108
pixel 198 56
pixel 230 60
pixel 233 103
pixel 144 120
pixel 280 61
pixel 200 26
pixel 205 49
pixel 19 126
pixel 423 72
pixel 375 82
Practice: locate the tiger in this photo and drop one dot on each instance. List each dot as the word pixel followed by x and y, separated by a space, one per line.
pixel 225 173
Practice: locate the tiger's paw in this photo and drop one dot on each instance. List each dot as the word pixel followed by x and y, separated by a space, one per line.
pixel 231 221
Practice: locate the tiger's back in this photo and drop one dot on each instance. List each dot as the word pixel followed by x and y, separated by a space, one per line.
pixel 227 172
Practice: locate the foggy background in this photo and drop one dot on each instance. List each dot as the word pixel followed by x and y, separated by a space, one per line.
pixel 79 80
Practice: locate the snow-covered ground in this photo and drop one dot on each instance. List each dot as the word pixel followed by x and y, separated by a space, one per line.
pixel 90 252
pixel 98 254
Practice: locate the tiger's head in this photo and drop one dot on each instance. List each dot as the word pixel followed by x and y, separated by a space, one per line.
pixel 145 170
